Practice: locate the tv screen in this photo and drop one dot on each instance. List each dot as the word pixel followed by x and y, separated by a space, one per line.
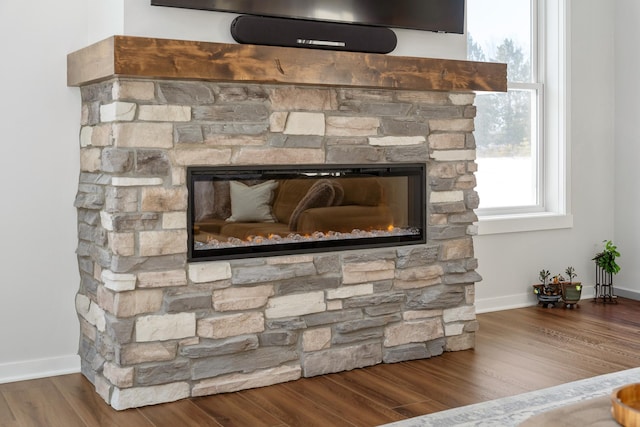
pixel 428 15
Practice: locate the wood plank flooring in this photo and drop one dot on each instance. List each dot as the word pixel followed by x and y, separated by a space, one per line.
pixel 516 351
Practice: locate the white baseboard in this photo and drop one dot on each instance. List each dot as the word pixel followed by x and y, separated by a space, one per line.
pixel 508 302
pixel 39 368
pixel 627 293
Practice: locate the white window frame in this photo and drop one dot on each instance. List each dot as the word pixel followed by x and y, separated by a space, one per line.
pixel 551 41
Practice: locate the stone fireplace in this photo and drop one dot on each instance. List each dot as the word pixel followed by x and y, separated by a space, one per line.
pixel 156 326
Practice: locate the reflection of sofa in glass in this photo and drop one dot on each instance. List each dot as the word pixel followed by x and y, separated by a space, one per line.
pixel 300 206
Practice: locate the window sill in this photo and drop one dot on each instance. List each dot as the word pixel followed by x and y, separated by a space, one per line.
pixel 522 223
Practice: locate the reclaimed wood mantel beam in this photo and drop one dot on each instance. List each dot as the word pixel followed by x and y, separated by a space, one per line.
pixel 142 57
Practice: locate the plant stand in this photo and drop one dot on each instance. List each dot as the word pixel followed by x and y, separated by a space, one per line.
pixel 604 291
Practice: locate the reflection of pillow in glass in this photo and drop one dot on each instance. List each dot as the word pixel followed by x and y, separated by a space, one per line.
pixel 251 204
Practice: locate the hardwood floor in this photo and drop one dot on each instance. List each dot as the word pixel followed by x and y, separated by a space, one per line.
pixel 516 351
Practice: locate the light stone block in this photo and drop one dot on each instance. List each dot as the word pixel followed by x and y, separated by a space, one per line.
pixel 460 342
pixel 205 272
pixel 122 244
pixel 143 91
pixel 291 98
pixel 200 156
pixel 447 141
pixel 143 135
pixel 236 299
pixel 352 126
pixel 215 140
pixel 435 98
pixel 457 249
pixel 120 377
pixel 128 304
pixel 413 332
pixel 341 359
pixel 236 382
pixel 278 156
pixel 101 136
pixel 462 98
pixel 160 199
pixel 368 272
pixel 164 113
pixel 291 259
pixel 304 123
pixel 106 220
pixel 143 396
pixel 154 243
pixel 390 141
pixel 118 282
pixel 446 196
pixel 420 273
pixel 91 312
pixel 160 279
pixel 295 305
pixel 117 111
pixel 277 121
pixel 453 155
pixel 421 314
pixel 316 339
pixel 466 182
pixel 106 299
pixel 230 325
pixel 451 125
pixel 165 327
pixel 458 314
pixel 418 277
pixel 452 329
pixel 103 387
pixel 90 160
pixel 174 220
pixel 86 133
pixel 350 291
pixel 133 354
pixel 334 305
pixel 122 181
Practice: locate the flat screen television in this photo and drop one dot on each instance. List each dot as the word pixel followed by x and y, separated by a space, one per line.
pixel 445 16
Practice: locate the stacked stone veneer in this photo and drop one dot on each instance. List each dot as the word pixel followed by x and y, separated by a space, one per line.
pixel 156 328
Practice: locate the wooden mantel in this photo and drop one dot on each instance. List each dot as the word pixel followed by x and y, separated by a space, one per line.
pixel 141 57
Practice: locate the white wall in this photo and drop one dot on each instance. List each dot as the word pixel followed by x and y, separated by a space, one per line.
pixel 40 123
pixel 509 263
pixel 39 174
pixel 627 173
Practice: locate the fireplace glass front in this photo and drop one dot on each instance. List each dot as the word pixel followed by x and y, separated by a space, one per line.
pixel 240 212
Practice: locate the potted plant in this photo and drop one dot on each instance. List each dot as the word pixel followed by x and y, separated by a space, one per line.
pixel 606 259
pixel 571 292
pixel 548 294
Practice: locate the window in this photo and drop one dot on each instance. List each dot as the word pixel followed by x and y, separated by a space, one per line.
pixel 520 135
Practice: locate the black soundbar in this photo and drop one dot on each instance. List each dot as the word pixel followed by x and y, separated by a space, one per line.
pixel 287 32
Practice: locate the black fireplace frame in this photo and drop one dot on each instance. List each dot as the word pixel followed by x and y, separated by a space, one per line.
pixel 417 209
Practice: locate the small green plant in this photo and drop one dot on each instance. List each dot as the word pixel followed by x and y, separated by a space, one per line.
pixel 607 258
pixel 571 273
pixel 543 276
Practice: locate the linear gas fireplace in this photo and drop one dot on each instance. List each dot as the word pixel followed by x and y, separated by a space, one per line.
pixel 239 212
